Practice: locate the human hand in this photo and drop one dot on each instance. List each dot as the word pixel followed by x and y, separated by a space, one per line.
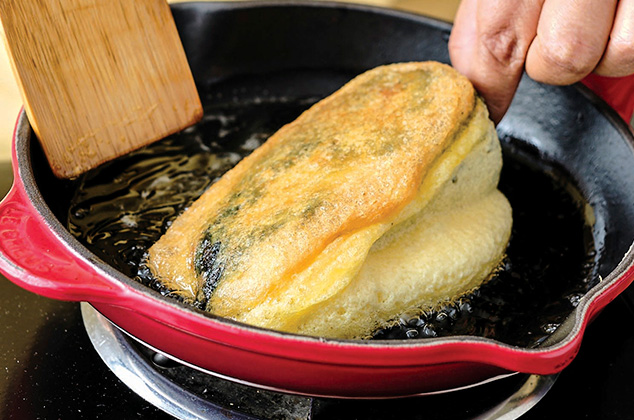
pixel 556 41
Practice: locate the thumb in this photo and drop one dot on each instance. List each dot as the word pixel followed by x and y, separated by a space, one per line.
pixel 489 43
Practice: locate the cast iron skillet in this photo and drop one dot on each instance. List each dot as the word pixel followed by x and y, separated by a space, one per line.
pixel 567 126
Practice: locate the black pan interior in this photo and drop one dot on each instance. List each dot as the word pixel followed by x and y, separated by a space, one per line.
pixel 267 62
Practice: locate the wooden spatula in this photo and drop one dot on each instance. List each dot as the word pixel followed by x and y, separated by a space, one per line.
pixel 99 78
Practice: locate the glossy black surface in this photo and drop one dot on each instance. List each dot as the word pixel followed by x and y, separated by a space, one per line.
pixel 279 50
pixel 122 208
pixel 51 370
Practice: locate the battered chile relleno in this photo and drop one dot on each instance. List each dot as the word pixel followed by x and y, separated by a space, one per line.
pixel 378 200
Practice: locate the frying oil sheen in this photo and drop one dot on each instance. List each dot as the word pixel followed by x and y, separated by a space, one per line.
pixel 120 209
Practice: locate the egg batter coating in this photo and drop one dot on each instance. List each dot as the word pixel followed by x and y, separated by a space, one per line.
pixel 379 199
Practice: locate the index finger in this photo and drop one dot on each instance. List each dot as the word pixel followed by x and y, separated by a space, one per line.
pixel 570 41
pixel 489 44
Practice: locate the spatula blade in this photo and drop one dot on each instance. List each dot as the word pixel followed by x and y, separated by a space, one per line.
pixel 99 78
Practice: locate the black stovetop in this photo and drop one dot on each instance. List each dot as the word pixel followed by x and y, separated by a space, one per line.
pixel 51 370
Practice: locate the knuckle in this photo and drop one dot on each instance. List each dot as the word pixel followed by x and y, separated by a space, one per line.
pixel 504 46
pixel 623 45
pixel 572 59
pixel 621 53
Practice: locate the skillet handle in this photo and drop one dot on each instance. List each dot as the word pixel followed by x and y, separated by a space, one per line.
pixel 34 258
pixel 618 92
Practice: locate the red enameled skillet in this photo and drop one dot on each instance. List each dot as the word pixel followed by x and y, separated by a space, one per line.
pixel 568 126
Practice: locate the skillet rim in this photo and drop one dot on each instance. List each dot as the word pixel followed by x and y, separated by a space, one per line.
pixel 582 313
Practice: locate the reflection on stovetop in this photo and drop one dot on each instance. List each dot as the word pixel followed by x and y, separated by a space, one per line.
pixel 195 394
pixel 52 371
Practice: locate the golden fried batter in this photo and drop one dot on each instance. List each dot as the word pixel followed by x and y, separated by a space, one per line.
pixel 325 228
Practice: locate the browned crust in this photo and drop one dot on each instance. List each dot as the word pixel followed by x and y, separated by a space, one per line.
pixel 352 160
